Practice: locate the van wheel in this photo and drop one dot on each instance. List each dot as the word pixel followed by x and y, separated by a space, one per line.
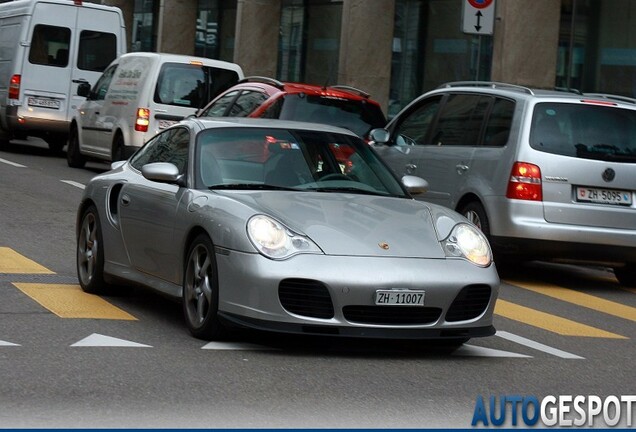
pixel 73 156
pixel 626 275
pixel 474 212
pixel 119 149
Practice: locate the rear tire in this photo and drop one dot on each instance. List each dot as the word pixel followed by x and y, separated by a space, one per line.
pixel 74 158
pixel 475 213
pixel 90 254
pixel 119 149
pixel 56 142
pixel 626 275
pixel 201 290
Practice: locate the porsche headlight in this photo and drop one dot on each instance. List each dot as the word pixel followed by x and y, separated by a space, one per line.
pixel 468 242
pixel 275 241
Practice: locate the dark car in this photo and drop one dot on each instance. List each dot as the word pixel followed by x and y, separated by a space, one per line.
pixel 264 97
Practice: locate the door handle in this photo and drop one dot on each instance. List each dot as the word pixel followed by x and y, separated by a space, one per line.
pixel 125 200
pixel 461 168
pixel 410 168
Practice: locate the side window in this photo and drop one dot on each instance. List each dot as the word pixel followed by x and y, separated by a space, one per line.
pixel 101 86
pixel 499 123
pixel 169 146
pixel 415 128
pixel 50 45
pixel 273 111
pixel 218 108
pixel 247 102
pixel 96 50
pixel 460 120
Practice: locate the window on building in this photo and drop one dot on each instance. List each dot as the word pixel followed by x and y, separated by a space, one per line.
pixel 215 29
pixel 430 49
pixel 309 44
pixel 144 26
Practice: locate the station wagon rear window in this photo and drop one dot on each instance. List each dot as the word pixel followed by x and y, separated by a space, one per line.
pixel 585 131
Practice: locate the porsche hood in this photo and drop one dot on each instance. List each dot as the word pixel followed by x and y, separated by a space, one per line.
pixel 353 224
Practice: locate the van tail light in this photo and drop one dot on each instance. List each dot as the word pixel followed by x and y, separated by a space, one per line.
pixel 14 87
pixel 143 120
pixel 525 182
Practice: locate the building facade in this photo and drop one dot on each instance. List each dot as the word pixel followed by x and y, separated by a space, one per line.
pixel 398 49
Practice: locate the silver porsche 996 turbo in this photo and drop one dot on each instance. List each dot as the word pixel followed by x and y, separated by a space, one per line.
pixel 286 227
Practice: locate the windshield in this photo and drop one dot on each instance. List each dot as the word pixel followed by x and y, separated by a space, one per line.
pixel 359 116
pixel 585 131
pixel 288 159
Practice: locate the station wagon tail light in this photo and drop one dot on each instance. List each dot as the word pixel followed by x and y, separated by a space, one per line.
pixel 525 182
pixel 143 120
pixel 14 87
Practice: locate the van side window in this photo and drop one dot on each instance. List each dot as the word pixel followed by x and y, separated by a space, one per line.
pixel 499 123
pixel 415 128
pixel 169 146
pixel 49 45
pixel 96 50
pixel 101 86
pixel 460 120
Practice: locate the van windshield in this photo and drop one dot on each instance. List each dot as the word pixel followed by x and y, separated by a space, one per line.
pixel 585 131
pixel 191 85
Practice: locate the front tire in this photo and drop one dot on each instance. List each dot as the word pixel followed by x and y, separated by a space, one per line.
pixel 90 254
pixel 201 290
pixel 74 158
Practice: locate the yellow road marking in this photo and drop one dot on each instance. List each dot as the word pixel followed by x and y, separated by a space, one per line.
pixel 581 299
pixel 553 323
pixel 13 262
pixel 69 301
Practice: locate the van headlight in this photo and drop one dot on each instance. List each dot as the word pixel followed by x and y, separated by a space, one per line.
pixel 468 242
pixel 276 241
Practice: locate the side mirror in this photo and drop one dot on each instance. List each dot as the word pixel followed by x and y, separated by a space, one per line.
pixel 415 185
pixel 163 172
pixel 379 136
pixel 83 89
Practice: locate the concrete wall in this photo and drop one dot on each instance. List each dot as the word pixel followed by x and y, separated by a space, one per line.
pixel 526 42
pixel 257 28
pixel 365 46
pixel 177 26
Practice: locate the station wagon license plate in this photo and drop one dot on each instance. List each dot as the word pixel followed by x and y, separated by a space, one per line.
pixel 44 102
pixel 604 196
pixel 399 297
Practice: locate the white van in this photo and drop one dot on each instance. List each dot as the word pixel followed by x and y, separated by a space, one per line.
pixel 138 95
pixel 47 48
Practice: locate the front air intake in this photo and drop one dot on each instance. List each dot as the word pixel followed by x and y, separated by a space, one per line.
pixel 306 297
pixel 471 302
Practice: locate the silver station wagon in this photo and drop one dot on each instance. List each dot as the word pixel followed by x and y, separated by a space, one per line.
pixel 547 175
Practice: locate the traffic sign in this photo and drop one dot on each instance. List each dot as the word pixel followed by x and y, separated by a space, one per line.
pixel 478 17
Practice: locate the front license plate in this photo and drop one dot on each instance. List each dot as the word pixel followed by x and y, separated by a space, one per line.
pixel 44 103
pixel 166 123
pixel 603 196
pixel 399 297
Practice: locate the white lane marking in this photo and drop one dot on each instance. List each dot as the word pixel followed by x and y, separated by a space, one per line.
pixel 12 163
pixel 97 340
pixel 5 343
pixel 476 351
pixel 536 345
pixel 235 346
pixel 73 183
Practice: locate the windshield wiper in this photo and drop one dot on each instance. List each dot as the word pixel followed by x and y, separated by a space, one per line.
pixel 348 190
pixel 249 186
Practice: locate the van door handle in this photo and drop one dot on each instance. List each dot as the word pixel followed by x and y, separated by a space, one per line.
pixel 461 168
pixel 410 168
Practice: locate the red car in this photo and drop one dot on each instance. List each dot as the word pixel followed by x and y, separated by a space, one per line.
pixel 342 106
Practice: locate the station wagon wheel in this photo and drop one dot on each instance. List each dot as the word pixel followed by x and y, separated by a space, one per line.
pixel 201 290
pixel 73 156
pixel 90 253
pixel 626 275
pixel 475 213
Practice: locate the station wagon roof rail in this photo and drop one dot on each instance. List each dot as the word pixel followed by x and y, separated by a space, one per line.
pixel 612 97
pixel 492 84
pixel 264 80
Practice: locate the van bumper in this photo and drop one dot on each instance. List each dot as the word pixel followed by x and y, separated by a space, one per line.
pixel 34 126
